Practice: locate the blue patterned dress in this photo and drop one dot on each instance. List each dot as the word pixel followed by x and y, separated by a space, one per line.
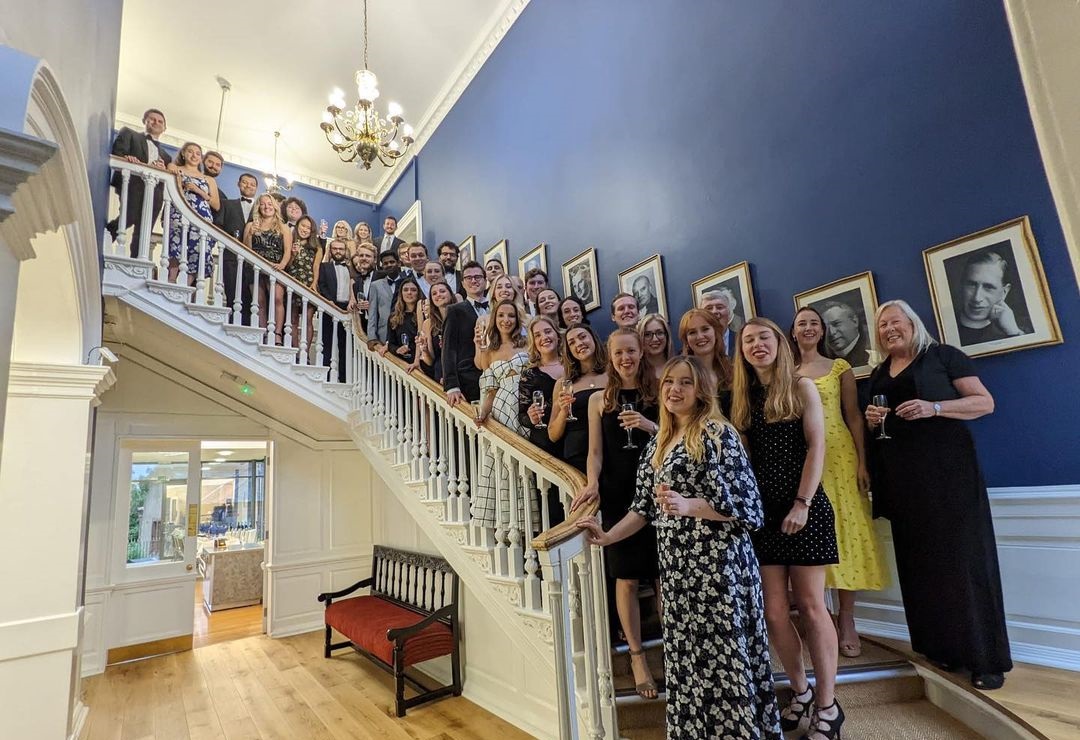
pixel 201 206
pixel 716 651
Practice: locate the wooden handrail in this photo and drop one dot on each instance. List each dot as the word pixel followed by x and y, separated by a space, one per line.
pixel 549 538
pixel 178 201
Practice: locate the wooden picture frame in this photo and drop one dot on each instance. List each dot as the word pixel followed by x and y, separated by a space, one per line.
pixel 466 250
pixel 847 307
pixel 535 257
pixel 498 251
pixel 734 280
pixel 990 293
pixel 645 281
pixel 581 280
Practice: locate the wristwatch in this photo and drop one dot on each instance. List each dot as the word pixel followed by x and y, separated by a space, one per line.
pixel 937 409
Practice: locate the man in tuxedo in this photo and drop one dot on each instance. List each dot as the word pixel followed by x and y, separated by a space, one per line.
pixel 335 285
pixel 720 303
pixel 624 311
pixel 364 274
pixel 388 240
pixel 231 218
pixel 139 147
pixel 461 378
pixel 381 295
pixel 418 258
pixel 844 334
pixel 535 281
pixel 448 257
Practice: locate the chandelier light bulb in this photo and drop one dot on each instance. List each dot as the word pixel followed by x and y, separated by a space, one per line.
pixel 393 110
pixel 407 132
pixel 393 145
pixel 327 117
pixel 367 85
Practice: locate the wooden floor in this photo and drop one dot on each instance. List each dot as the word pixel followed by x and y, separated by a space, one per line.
pixel 256 688
pixel 1043 697
pixel 227 624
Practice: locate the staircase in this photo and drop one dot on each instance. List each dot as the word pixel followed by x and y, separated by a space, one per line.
pixel 539 579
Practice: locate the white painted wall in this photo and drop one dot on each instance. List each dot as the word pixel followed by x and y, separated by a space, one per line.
pixel 319 516
pixel 1039 552
pixel 497 677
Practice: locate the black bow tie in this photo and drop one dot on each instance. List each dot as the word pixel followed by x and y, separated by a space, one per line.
pixel 245 200
pixel 481 304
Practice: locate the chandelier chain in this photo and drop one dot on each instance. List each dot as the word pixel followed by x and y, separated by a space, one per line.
pixel 365 34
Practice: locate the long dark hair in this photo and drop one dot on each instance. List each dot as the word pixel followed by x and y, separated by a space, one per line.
pixel 312 242
pixel 397 313
pixel 822 347
pixel 571 364
pixel 581 305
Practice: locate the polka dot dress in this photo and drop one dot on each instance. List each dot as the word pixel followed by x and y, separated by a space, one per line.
pixel 777 454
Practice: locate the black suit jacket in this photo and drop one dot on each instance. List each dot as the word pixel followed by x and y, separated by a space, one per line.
pixel 328 282
pixel 129 143
pixel 459 370
pixel 859 356
pixel 230 217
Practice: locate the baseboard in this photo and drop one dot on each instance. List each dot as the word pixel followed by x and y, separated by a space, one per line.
pixel 1022 652
pixel 149 649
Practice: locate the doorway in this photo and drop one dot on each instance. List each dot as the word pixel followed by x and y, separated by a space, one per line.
pixel 229 594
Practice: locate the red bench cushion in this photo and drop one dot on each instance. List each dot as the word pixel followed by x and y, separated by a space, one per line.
pixel 365 620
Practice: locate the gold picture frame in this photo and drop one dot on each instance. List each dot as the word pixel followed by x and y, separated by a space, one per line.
pixel 466 250
pixel 499 251
pixel 645 281
pixel 847 307
pixel 535 257
pixel 581 280
pixel 735 280
pixel 990 293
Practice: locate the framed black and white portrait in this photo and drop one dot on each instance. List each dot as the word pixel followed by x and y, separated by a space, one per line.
pixel 535 257
pixel 990 293
pixel 847 308
pixel 733 284
pixel 466 251
pixel 498 251
pixel 645 281
pixel 581 280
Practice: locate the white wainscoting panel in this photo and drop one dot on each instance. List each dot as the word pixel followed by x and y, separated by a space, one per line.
pixel 295 588
pixel 95 607
pixel 1038 539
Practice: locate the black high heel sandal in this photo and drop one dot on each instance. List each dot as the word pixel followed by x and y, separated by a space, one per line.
pixel 828 728
pixel 799 708
pixel 988 681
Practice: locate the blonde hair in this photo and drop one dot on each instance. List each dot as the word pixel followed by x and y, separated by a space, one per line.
pixel 920 335
pixel 494 335
pixel 782 401
pixel 356 237
pixel 705 410
pixel 257 219
pixel 646 383
pixel 530 343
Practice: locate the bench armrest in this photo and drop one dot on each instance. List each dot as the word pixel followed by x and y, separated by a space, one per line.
pixel 398 634
pixel 327 597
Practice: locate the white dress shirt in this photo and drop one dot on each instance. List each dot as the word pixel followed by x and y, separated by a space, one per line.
pixel 343 282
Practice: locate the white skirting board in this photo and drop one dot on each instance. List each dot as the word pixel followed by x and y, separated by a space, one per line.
pixel 1039 551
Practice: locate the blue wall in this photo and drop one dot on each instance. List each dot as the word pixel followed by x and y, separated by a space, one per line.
pixel 815 140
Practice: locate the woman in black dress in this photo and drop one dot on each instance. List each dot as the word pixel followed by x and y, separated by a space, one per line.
pixel 267 236
pixel 402 326
pixel 433 312
pixel 545 370
pixel 695 483
pixel 700 334
pixel 782 417
pixel 926 481
pixel 584 361
pixel 622 419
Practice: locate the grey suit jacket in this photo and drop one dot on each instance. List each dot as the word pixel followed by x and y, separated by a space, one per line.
pixel 381 296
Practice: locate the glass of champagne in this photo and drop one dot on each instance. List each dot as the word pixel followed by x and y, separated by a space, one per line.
pixel 476 409
pixel 627 408
pixel 568 387
pixel 538 399
pixel 882 401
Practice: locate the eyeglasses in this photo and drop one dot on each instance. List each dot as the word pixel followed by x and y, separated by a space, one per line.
pixel 660 334
pixel 474 277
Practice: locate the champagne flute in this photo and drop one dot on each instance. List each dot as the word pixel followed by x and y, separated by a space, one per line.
pixel 405 341
pixel 476 409
pixel 627 408
pixel 882 401
pixel 538 399
pixel 568 387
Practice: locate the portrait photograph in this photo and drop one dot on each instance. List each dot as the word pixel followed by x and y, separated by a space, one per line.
pixel 847 308
pixel 466 251
pixel 536 257
pixel 990 293
pixel 581 280
pixel 498 251
pixel 645 281
pixel 734 284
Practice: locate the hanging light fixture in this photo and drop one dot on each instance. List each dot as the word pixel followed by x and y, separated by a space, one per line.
pixel 275 185
pixel 360 133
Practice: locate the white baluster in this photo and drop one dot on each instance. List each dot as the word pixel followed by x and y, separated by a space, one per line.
pixel 533 594
pixel 514 556
pixel 254 312
pixel 146 221
pixel 589 646
pixel 303 331
pixel 185 234
pixel 271 311
pixel 238 306
pixel 556 571
pixel 502 490
pixel 319 335
pixel 122 224
pixel 545 511
pixel 288 341
pixel 462 440
pixel 420 448
pixel 166 231
pixel 200 276
pixel 448 462
pixel 598 599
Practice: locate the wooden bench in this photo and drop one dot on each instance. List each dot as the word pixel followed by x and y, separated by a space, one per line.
pixel 409 616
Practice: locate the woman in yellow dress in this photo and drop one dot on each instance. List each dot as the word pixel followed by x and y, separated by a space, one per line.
pixel 845 477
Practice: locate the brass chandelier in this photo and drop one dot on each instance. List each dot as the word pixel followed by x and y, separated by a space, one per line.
pixel 360 133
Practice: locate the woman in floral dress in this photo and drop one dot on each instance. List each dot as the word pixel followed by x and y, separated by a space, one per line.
pixel 696 485
pixel 306 253
pixel 201 194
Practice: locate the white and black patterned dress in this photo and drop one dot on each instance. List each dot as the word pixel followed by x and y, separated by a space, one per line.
pixel 716 652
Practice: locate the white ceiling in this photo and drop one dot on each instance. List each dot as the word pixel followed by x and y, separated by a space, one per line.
pixel 284 57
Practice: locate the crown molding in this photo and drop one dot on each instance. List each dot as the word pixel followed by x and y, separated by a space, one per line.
pixel 178 137
pixel 70 382
pixel 444 101
pixel 453 90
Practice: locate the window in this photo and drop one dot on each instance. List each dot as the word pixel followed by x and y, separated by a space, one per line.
pixel 157 516
pixel 233 500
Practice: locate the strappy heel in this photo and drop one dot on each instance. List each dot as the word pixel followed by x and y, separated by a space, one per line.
pixel 799 708
pixel 827 728
pixel 645 689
